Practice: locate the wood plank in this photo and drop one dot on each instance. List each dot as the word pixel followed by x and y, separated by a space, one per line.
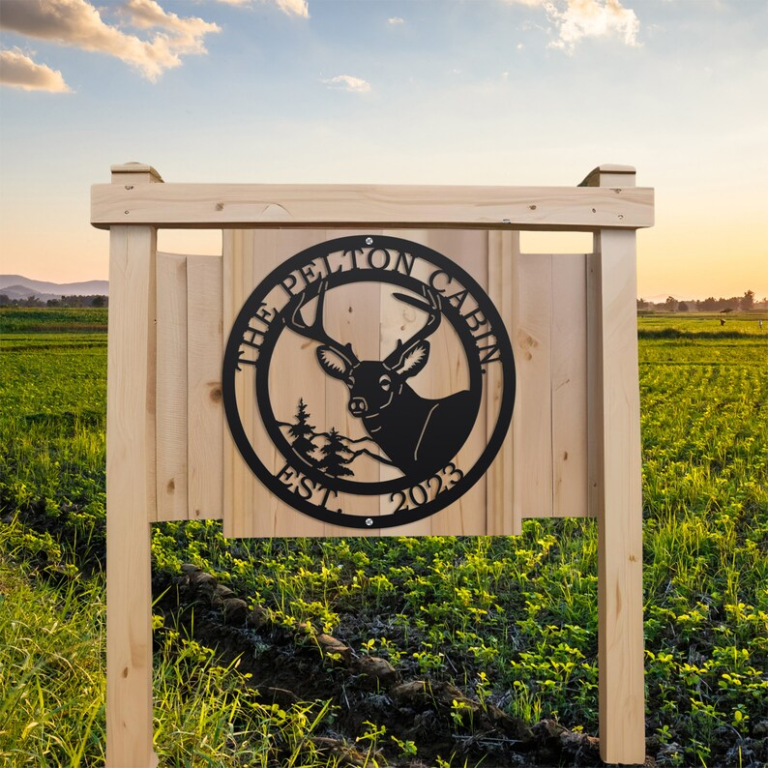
pixel 609 175
pixel 134 173
pixel 338 206
pixel 503 259
pixel 569 385
pixel 205 352
pixel 532 420
pixel 398 322
pixel 130 495
pixel 243 494
pixel 294 363
pixel 616 492
pixel 171 408
pixel 352 314
pixel 467 515
pixel 250 509
pixel 231 244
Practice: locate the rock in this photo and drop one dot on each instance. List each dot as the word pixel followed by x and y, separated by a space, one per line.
pixel 258 617
pixel 512 727
pixel 190 570
pixel 549 729
pixel 347 756
pixel 201 579
pixel 446 694
pixel 330 645
pixel 220 594
pixel 761 729
pixel 235 610
pixel 581 746
pixel 410 693
pixel 379 671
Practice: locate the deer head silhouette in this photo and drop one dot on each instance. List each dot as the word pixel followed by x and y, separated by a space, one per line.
pixel 413 431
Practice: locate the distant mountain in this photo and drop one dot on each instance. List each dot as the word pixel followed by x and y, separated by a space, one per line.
pixel 20 287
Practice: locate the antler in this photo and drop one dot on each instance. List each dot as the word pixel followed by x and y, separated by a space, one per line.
pixel 293 320
pixel 433 308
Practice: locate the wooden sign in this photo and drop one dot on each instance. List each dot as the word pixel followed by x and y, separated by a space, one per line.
pixel 372 361
pixel 368 385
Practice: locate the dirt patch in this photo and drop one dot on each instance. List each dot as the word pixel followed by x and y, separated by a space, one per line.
pixel 299 665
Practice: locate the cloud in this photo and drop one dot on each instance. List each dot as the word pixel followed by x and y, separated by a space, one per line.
pixel 395 21
pixel 79 24
pixel 579 19
pixel 296 7
pixel 290 7
pixel 349 83
pixel 19 71
pixel 592 18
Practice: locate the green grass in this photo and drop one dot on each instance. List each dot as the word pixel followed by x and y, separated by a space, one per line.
pixel 52 319
pixel 511 620
pixel 53 688
pixel 51 670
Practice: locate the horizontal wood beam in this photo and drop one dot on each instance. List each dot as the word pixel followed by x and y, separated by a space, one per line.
pixel 213 206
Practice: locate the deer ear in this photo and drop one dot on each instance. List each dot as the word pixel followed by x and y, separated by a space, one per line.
pixel 413 359
pixel 332 362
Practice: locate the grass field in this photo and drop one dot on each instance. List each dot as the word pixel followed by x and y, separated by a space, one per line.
pixel 509 621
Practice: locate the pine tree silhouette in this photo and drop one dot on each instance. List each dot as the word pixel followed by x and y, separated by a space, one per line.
pixel 302 433
pixel 333 462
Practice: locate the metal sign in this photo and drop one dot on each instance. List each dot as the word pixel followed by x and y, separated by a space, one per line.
pixel 402 446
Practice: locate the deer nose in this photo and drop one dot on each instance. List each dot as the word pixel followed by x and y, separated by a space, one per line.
pixel 358 406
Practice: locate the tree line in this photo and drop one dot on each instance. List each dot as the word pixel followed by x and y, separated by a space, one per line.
pixel 743 303
pixel 64 301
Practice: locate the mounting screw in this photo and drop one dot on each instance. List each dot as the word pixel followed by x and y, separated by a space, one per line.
pixel 369 241
pixel 369 521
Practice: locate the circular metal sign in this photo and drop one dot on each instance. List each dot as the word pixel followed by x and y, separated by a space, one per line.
pixel 375 422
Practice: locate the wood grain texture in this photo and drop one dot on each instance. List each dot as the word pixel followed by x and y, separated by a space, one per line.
pixel 298 364
pixel 250 509
pixel 503 261
pixel 616 492
pixel 373 326
pixel 244 497
pixel 532 421
pixel 129 174
pixel 569 386
pixel 339 206
pixel 171 398
pixel 398 322
pixel 205 419
pixel 442 376
pixel 467 515
pixel 130 491
pixel 354 316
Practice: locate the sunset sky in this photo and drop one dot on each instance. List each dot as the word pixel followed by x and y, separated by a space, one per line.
pixel 518 92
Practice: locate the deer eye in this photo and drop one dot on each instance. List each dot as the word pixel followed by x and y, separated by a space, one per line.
pixel 386 383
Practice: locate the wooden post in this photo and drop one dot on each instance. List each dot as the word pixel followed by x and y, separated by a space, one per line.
pixel 615 481
pixel 131 493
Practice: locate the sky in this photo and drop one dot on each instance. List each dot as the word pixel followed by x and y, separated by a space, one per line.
pixel 510 92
